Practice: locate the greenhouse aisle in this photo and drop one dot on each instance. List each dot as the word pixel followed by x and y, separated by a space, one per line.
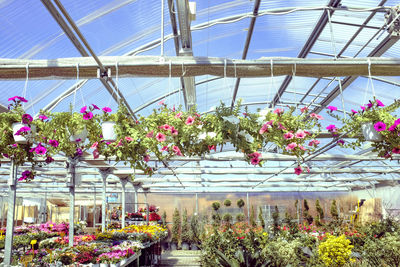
pixel 181 258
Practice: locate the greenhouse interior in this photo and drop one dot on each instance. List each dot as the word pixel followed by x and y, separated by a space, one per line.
pixel 212 133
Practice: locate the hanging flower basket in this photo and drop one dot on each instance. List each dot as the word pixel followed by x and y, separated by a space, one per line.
pixel 79 136
pixel 108 130
pixel 369 132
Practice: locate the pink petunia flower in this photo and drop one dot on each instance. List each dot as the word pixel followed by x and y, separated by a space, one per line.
pixel 106 109
pixel 302 147
pixel 379 103
pixel 164 148
pixel 354 112
pixel 43 117
pixel 189 120
pixel 83 109
pixel 212 147
pixel 160 137
pixel 288 135
pixel 53 143
pixel 278 111
pixel 314 115
pixel 95 145
pixel 40 150
pixel 96 154
pixel 95 107
pixel 298 170
pixel 363 108
pixel 300 134
pixel 304 109
pixel 331 108
pixel 254 155
pixel 380 126
pixel 396 150
pixel 370 105
pixel 264 128
pixel 161 102
pixel 165 127
pixel 178 115
pixel 174 131
pixel 291 146
pixel 331 128
pixel 146 158
pixel 150 134
pixel 177 150
pixel 340 142
pixel 314 142
pixel 128 138
pixel 26 118
pixel 23 130
pixel 88 116
pixel 255 161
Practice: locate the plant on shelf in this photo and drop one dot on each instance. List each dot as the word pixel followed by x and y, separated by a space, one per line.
pixel 164 218
pixel 185 236
pixel 334 211
pixel 227 218
pixel 306 214
pixel 374 122
pixel 195 231
pixel 21 139
pixel 320 211
pixel 176 228
pixel 227 203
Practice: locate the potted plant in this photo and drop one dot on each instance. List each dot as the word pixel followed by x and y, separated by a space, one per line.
pixel 185 236
pixel 176 229
pixel 108 125
pixel 375 123
pixel 195 232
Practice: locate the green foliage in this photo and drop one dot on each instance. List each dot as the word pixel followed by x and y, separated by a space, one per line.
pixel 185 235
pixel 280 252
pixel 164 218
pixel 252 218
pixel 261 218
pixel 195 229
pixel 216 205
pixel 227 217
pixel 216 217
pixel 320 212
pixel 334 210
pixel 176 226
pixel 383 251
pixel 240 217
pixel 227 202
pixel 240 203
pixel 275 217
pixel 335 251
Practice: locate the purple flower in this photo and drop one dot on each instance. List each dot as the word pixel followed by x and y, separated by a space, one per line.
pixel 83 109
pixel 53 143
pixel 79 151
pixel 26 118
pixel 380 126
pixel 392 128
pixel 24 175
pixel 95 107
pixel 49 160
pixel 14 145
pixel 331 128
pixel 362 107
pixel 370 105
pixel 78 140
pixel 20 98
pixel 340 142
pixel 354 112
pixel 43 117
pixel 396 150
pixel 88 116
pixel 40 150
pixel 23 130
pixel 379 103
pixel 331 108
pixel 107 109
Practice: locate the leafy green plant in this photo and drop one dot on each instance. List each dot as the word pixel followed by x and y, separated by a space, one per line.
pixel 227 203
pixel 240 203
pixel 176 226
pixel 185 233
pixel 334 211
pixel 261 218
pixel 195 229
pixel 227 217
pixel 275 217
pixel 252 218
pixel 164 218
pixel 320 212
pixel 307 216
pixel 216 205
pixel 240 217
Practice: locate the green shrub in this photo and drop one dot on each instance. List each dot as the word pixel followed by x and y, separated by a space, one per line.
pixel 176 226
pixel 240 203
pixel 227 203
pixel 216 205
pixel 227 217
pixel 240 217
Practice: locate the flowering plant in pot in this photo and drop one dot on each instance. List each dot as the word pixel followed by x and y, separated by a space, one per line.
pixel 20 140
pixel 69 130
pixel 374 122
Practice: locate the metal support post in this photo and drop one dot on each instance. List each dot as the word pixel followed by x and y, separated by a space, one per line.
pixel 12 186
pixel 197 204
pixel 71 163
pixel 16 211
pixel 104 174
pixel 136 198
pixel 123 200
pixel 248 207
pixel 94 207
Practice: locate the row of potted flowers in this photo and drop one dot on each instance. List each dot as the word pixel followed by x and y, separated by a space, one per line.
pixel 171 132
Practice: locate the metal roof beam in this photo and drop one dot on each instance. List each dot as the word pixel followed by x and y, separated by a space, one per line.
pixel 319 27
pixel 246 46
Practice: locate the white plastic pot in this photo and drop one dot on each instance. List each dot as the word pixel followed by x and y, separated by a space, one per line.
pixel 369 132
pixel 108 130
pixel 80 135
pixel 20 139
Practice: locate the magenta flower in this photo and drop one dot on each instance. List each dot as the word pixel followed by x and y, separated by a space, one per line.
pixel 164 148
pixel 392 128
pixel 370 105
pixel 160 137
pixel 396 150
pixel 177 150
pixel 380 126
pixel 146 158
pixel 379 103
pixel 314 142
pixel 354 112
pixel 40 150
pixel 281 127
pixel 128 138
pixel 302 147
pixel 313 115
pixel 331 128
pixel 298 170
pixel 88 116
pixel 212 147
pixel 304 109
pixel 150 134
pixel 165 127
pixel 254 155
pixel 340 142
pixel 362 107
pixel 255 161
pixel 331 108
pixel 26 118
pixel 278 111
pixel 83 109
pixel 189 120
pixel 20 98
pixel 49 160
pixel 95 145
pixel 106 109
pixel 79 152
pixel 178 115
pixel 25 175
pixel 174 131
pixel 53 143
pixel 96 153
pixel 288 135
pixel 300 134
pixel 291 146
pixel 264 128
pixel 95 107
pixel 23 130
pixel 43 117
pixel 14 145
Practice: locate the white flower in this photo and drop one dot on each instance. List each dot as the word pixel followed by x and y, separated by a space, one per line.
pixel 264 112
pixel 211 134
pixel 247 136
pixel 202 136
pixel 232 119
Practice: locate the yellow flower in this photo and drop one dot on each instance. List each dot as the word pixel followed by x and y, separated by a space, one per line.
pixel 33 242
